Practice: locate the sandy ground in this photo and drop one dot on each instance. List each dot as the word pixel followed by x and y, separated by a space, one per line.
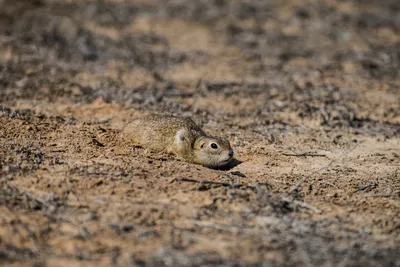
pixel 308 93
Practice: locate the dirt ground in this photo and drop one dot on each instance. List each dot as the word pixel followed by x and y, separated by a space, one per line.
pixel 307 91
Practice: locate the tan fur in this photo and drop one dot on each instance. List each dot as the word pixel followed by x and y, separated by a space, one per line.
pixel 179 136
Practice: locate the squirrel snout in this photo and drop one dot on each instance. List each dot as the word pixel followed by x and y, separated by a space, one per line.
pixel 230 152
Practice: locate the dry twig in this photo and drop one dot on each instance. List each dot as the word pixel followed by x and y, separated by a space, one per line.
pixel 367 187
pixel 307 206
pixel 206 182
pixel 303 205
pixel 383 195
pixel 303 154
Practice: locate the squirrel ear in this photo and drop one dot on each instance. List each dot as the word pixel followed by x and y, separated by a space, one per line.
pixel 181 135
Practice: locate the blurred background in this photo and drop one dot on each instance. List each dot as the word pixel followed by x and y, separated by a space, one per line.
pixel 154 54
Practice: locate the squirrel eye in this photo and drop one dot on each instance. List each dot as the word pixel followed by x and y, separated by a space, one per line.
pixel 214 146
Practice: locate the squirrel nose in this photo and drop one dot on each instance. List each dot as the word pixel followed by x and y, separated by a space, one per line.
pixel 230 153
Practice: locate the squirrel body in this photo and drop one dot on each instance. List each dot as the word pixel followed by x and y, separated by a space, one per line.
pixel 179 136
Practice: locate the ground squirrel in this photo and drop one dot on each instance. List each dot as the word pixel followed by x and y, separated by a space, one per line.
pixel 179 136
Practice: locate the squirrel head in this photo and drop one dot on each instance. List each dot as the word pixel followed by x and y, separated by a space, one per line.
pixel 212 152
